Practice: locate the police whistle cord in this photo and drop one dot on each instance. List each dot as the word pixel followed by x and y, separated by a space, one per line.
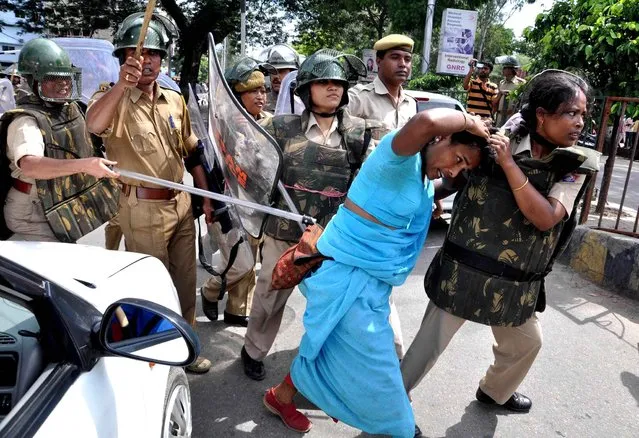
pixel 303 219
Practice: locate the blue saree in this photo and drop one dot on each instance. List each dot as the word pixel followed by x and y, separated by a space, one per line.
pixel 347 364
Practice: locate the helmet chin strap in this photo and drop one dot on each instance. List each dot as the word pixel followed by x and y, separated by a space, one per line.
pixel 538 138
pixel 325 115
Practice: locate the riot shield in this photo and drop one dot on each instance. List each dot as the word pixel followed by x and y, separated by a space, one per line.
pixel 251 158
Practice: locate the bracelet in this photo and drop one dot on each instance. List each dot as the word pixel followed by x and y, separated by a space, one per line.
pixel 522 186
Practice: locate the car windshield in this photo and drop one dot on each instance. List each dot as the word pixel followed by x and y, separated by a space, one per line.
pixel 430 104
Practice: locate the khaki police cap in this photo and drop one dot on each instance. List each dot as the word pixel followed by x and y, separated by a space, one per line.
pixel 256 80
pixel 394 41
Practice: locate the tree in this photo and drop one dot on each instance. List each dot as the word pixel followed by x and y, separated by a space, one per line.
pixel 69 17
pixel 491 13
pixel 597 37
pixel 499 41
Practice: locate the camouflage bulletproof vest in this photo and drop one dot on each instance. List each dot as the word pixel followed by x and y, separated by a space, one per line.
pixel 492 265
pixel 317 177
pixel 77 204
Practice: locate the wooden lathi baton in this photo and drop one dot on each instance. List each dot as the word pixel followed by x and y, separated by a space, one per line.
pixel 148 14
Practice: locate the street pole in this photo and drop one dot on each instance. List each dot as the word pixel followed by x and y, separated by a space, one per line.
pixel 243 28
pixel 428 35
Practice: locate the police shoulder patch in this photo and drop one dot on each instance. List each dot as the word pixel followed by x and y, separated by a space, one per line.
pixel 105 86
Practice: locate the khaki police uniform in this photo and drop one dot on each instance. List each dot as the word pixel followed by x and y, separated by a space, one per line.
pixel 506 109
pixel 156 137
pixel 268 304
pixel 515 348
pixel 241 277
pixel 23 211
pixel 373 101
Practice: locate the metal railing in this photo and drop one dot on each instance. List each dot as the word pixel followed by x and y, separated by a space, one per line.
pixel 612 215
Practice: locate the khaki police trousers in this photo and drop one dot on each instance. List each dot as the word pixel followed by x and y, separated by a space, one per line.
pixel 113 234
pixel 25 216
pixel 165 230
pixel 515 350
pixel 268 306
pixel 240 279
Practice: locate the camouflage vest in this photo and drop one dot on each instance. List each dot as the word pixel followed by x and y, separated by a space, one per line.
pixel 492 265
pixel 311 170
pixel 77 204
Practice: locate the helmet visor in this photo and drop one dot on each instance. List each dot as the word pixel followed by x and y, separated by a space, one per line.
pixel 61 86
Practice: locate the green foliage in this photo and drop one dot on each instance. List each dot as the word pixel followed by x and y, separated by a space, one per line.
pixel 69 17
pixel 499 41
pixel 203 73
pixel 597 37
pixel 433 82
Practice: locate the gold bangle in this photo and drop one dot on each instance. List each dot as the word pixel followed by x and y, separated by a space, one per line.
pixel 465 121
pixel 522 186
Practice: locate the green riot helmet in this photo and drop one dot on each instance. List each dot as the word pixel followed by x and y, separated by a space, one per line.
pixel 328 64
pixel 46 64
pixel 282 56
pixel 159 34
pixel 241 71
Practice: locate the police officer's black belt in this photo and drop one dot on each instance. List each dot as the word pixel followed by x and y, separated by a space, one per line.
pixel 488 265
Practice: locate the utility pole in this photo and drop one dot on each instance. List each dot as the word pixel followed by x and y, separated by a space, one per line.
pixel 243 28
pixel 428 35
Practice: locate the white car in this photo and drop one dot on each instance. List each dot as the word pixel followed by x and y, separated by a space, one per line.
pixel 91 342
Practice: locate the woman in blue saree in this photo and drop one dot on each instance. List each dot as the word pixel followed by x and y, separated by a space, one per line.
pixel 347 364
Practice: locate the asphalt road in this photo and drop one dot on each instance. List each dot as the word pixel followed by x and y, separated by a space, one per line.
pixel 585 382
pixel 618 180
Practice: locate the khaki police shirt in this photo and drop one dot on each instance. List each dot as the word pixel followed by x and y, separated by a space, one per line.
pixel 156 135
pixel 564 191
pixel 314 133
pixel 23 138
pixel 506 85
pixel 373 101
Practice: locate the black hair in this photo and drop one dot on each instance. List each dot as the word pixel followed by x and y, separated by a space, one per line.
pixel 549 90
pixel 487 64
pixel 381 53
pixel 472 141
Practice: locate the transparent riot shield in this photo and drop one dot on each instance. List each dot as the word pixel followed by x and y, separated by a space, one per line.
pixel 252 159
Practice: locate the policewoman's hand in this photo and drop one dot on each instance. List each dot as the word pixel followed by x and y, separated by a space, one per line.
pixel 130 72
pixel 476 126
pixel 500 144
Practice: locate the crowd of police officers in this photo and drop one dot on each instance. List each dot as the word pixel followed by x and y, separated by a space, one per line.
pixel 59 183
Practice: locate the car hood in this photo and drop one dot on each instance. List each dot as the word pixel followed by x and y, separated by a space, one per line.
pixel 71 266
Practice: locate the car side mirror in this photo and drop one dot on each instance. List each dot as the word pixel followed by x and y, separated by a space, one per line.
pixel 143 330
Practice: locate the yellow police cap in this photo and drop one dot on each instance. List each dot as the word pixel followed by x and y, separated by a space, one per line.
pixel 256 80
pixel 394 40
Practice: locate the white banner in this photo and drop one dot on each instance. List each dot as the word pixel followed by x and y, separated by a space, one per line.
pixel 456 41
pixel 368 56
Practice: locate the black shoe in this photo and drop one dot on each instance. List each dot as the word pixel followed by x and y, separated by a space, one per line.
pixel 231 319
pixel 517 402
pixel 418 432
pixel 209 308
pixel 252 368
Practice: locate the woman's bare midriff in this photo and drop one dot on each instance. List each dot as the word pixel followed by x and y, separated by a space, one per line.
pixel 363 213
